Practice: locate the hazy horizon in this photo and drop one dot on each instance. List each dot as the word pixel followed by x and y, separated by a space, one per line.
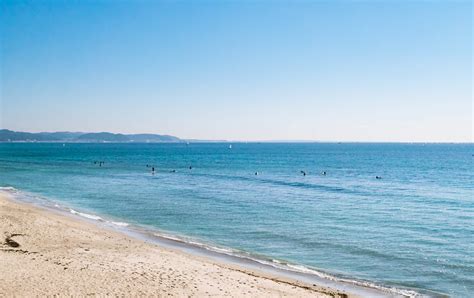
pixel 240 71
pixel 252 141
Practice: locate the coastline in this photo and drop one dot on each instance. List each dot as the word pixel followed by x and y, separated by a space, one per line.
pixel 48 253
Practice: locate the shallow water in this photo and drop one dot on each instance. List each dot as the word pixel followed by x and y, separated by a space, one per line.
pixel 413 228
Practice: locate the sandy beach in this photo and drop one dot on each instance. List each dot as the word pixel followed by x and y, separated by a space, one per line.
pixel 47 253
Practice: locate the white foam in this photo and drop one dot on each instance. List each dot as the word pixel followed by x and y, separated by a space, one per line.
pixel 119 223
pixel 277 261
pixel 8 188
pixel 89 216
pixel 220 249
pixel 169 237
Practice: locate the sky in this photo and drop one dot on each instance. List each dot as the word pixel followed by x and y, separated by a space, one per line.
pixel 384 71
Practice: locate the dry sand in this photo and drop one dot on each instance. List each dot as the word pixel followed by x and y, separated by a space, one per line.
pixel 47 253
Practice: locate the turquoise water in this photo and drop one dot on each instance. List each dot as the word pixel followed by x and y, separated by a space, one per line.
pixel 414 228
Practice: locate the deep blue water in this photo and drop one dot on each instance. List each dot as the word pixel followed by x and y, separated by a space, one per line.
pixel 412 228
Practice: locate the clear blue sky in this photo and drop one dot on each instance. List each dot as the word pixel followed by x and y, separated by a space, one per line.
pixel 240 70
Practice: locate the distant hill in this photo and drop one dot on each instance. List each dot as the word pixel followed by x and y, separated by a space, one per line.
pixel 60 135
pixel 146 138
pixel 81 137
pixel 8 135
pixel 103 137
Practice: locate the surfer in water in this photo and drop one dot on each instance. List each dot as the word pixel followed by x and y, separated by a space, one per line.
pixel 378 177
pixel 303 172
pixel 153 170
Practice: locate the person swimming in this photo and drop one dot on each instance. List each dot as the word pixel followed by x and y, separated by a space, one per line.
pixel 378 177
pixel 190 167
pixel 303 172
pixel 324 173
pixel 153 170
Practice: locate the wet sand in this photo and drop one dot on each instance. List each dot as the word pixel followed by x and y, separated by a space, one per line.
pixel 47 253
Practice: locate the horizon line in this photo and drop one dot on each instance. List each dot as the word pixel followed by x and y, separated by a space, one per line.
pixel 195 140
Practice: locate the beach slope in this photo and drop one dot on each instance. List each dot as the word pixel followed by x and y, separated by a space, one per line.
pixel 46 253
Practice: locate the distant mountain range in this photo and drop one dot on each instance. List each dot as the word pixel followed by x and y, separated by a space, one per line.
pixel 81 137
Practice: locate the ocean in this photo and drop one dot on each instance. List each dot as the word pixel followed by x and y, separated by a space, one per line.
pixel 412 231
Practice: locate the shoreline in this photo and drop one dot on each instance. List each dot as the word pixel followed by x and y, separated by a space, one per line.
pixel 47 253
pixel 318 286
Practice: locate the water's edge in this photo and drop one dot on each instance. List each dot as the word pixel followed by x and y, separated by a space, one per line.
pixel 223 254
